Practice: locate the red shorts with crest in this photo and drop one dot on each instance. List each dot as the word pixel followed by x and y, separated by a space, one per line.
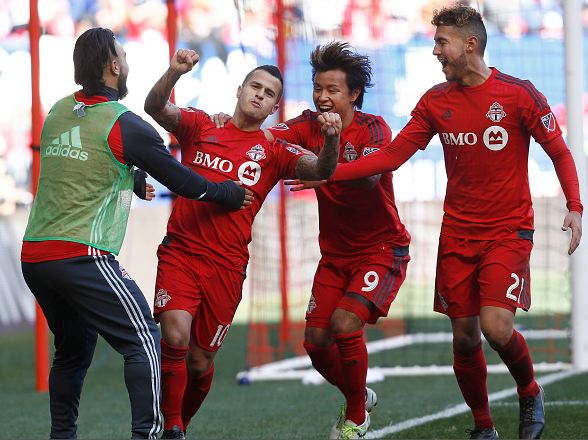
pixel 376 277
pixel 209 291
pixel 476 273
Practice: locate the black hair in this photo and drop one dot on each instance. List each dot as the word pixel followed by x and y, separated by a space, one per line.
pixel 466 18
pixel 92 51
pixel 338 55
pixel 273 71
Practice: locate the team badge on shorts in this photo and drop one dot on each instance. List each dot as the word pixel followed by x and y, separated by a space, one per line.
pixel 311 305
pixel 161 298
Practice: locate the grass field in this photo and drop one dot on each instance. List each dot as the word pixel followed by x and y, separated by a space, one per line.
pixel 276 410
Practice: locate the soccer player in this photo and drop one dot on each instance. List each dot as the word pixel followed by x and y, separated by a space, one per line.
pixel 363 243
pixel 484 119
pixel 89 145
pixel 203 258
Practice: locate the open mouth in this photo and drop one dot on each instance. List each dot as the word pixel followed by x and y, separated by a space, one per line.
pixel 325 108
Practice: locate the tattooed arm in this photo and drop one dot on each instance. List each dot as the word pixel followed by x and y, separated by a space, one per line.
pixel 311 167
pixel 157 103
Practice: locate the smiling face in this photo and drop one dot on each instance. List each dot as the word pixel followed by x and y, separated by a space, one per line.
pixel 450 50
pixel 331 93
pixel 258 96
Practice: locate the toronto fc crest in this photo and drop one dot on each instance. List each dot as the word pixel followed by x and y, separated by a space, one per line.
pixel 349 152
pixel 256 153
pixel 496 112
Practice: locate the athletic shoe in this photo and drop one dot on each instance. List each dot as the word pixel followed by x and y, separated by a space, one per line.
pixel 175 432
pixel 371 400
pixel 532 415
pixel 483 433
pixel 350 430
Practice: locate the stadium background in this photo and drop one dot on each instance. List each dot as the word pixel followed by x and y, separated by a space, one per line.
pixel 525 40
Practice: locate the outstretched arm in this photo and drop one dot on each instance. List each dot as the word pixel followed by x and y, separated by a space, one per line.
pixel 311 167
pixel 157 103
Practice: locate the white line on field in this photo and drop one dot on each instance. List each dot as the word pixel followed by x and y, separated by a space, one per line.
pixel 462 408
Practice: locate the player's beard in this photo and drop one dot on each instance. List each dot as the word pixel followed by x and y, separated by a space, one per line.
pixel 457 68
pixel 122 86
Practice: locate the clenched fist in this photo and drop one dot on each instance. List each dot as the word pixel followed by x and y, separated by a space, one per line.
pixel 184 60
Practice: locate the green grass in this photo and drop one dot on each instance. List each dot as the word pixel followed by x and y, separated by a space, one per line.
pixel 268 410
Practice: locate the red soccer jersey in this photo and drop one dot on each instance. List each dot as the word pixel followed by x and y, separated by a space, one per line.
pixel 219 154
pixel 485 132
pixel 352 221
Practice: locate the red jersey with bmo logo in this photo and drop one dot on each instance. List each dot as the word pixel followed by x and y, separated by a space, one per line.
pixel 485 132
pixel 352 221
pixel 219 154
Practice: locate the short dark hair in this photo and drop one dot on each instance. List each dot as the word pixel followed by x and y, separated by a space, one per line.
pixel 273 71
pixel 92 51
pixel 338 55
pixel 464 17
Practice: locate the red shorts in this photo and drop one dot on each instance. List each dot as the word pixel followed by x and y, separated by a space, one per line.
pixel 209 291
pixel 376 277
pixel 475 273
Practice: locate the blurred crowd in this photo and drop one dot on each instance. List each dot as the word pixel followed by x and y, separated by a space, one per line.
pixel 212 22
pixel 216 29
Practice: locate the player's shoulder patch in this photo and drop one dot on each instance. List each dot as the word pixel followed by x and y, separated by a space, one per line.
pixel 369 150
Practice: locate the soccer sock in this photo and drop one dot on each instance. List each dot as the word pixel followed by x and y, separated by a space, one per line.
pixel 173 383
pixel 515 354
pixel 471 372
pixel 327 361
pixel 354 364
pixel 196 391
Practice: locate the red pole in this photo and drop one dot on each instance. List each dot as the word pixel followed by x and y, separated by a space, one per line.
pixel 172 25
pixel 281 52
pixel 41 333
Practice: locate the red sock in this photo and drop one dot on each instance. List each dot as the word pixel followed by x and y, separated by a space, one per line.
pixel 515 354
pixel 196 391
pixel 354 364
pixel 327 361
pixel 173 382
pixel 470 372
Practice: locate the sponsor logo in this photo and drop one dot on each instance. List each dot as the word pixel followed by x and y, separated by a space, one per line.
pixel 161 298
pixel 447 115
pixel 311 305
pixel 280 126
pixel 349 152
pixel 496 112
pixel 249 173
pixel 215 163
pixel 124 272
pixel 495 138
pixel 459 138
pixel 369 150
pixel 548 121
pixel 256 153
pixel 68 144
